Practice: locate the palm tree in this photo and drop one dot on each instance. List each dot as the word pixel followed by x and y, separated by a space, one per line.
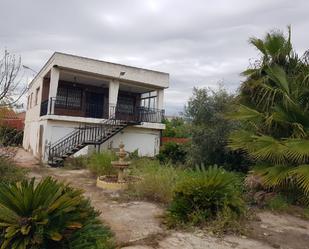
pixel 274 112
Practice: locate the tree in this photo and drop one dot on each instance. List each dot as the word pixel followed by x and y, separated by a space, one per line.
pixel 11 87
pixel 274 112
pixel 206 111
pixel 176 127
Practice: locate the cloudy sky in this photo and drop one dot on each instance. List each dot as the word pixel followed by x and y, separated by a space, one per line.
pixel 199 42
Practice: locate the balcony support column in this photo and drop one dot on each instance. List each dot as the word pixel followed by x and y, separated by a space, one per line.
pixel 113 96
pixel 53 87
pixel 160 98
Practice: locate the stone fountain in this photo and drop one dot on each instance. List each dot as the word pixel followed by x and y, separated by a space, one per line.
pixel 119 181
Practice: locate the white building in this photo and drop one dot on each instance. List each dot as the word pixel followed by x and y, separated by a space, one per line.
pixel 77 105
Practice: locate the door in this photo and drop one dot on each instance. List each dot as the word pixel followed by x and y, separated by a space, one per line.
pixel 94 105
pixel 41 132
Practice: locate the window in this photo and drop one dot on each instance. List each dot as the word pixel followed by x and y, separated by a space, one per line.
pixel 37 95
pixel 149 100
pixel 69 98
pixel 28 102
pixel 125 104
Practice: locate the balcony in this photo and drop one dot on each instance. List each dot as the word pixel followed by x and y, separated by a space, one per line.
pixel 122 112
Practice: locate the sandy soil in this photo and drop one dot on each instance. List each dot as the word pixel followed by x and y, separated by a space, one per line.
pixel 137 225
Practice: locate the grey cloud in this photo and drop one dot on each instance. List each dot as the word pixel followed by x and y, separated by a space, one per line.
pixel 198 42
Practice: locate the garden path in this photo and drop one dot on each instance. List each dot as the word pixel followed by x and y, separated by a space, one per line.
pixel 138 224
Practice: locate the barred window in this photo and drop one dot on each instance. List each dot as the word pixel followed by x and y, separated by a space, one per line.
pixel 69 97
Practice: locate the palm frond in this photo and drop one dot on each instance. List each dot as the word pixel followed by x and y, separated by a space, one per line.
pixel 297 150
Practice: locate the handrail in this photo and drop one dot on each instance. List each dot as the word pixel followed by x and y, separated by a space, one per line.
pixel 119 111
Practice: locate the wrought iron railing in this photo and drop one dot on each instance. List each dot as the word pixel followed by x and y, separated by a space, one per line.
pixel 119 112
pixel 83 135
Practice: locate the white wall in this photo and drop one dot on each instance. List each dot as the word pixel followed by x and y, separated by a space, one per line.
pixel 147 141
pixel 31 137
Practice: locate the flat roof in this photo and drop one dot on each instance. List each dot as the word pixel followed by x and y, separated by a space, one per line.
pixel 162 78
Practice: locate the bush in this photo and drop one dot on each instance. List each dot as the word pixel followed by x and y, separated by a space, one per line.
pixel 10 136
pixel 206 195
pixel 48 215
pixel 173 152
pixel 134 155
pixel 278 203
pixel 9 172
pixel 79 162
pixel 158 181
pixel 100 163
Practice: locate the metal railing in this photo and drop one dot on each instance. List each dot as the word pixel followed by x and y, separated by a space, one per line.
pixel 83 135
pixel 119 112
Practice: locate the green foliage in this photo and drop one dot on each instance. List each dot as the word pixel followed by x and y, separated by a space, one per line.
pixel 9 172
pixel 176 127
pixel 210 130
pixel 79 162
pixel 205 196
pixel 158 181
pixel 45 215
pixel 278 203
pixel 93 235
pixel 174 152
pixel 10 136
pixel 274 114
pixel 134 155
pixel 100 163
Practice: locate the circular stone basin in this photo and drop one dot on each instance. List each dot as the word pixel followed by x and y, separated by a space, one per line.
pixel 111 182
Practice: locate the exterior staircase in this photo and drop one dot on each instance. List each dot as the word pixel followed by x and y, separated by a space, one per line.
pixel 88 134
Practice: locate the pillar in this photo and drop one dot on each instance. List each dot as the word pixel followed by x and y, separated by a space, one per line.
pixel 53 87
pixel 113 96
pixel 160 99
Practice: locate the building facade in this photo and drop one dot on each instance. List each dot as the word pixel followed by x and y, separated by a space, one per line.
pixel 77 105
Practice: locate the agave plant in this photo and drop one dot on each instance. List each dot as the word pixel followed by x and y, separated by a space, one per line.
pixel 44 215
pixel 274 112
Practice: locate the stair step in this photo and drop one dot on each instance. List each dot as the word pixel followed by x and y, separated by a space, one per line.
pixel 108 130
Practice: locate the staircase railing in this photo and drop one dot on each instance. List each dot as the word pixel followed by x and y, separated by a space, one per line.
pixel 86 134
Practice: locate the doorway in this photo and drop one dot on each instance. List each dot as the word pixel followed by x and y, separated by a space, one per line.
pixel 94 105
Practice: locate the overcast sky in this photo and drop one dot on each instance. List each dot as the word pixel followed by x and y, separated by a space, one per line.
pixel 199 42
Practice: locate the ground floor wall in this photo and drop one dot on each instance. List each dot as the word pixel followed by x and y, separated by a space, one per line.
pixel 39 135
pixel 34 137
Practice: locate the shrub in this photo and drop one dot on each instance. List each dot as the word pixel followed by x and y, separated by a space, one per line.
pixel 278 203
pixel 10 136
pixel 79 162
pixel 205 196
pixel 9 172
pixel 100 163
pixel 158 181
pixel 47 215
pixel 134 155
pixel 173 152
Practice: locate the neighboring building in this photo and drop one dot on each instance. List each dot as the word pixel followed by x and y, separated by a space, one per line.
pixel 12 119
pixel 77 105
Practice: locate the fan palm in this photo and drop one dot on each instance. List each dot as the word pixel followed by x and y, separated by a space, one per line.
pixel 274 112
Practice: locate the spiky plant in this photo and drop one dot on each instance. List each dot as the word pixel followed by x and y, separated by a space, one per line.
pixel 44 215
pixel 274 112
pixel 205 194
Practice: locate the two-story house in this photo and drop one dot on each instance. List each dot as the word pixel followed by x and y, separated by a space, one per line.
pixel 77 105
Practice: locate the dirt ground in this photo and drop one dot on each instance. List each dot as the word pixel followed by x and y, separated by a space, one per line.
pixel 138 225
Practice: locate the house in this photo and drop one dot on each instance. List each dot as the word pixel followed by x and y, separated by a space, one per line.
pixel 77 105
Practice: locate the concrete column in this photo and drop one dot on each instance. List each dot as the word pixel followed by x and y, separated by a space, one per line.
pixel 53 87
pixel 160 98
pixel 113 96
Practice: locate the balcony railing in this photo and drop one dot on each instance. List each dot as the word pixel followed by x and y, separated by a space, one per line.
pixel 120 112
